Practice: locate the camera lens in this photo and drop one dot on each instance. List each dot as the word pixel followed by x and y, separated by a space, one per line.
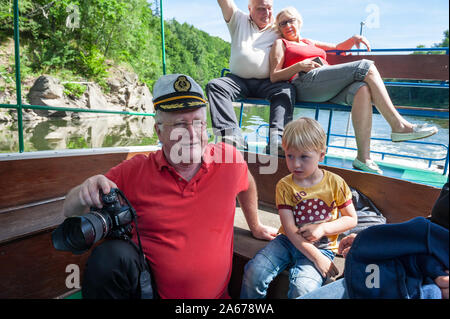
pixel 74 235
pixel 78 234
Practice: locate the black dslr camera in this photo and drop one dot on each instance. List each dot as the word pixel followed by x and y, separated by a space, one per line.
pixel 113 220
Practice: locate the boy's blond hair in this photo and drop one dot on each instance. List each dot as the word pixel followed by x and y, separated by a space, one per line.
pixel 304 134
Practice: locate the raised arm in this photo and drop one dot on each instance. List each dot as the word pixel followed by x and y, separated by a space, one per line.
pixel 345 45
pixel 354 40
pixel 228 7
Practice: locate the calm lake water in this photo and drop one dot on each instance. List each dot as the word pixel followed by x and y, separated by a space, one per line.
pixel 115 130
pixel 341 125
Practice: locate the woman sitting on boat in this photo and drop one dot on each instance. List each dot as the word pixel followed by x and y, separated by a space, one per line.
pixel 359 84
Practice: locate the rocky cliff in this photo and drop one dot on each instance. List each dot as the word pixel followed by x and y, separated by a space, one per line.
pixel 123 93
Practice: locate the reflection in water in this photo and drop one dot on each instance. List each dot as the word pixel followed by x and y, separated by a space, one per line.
pixel 91 132
pixel 116 130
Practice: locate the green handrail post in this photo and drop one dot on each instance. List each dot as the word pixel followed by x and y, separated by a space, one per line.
pixel 163 48
pixel 18 81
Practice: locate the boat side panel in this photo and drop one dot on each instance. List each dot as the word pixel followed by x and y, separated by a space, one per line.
pixel 32 268
pixel 29 220
pixel 31 180
pixel 420 67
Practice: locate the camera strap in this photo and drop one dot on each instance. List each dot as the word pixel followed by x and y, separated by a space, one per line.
pixel 146 282
pixel 145 279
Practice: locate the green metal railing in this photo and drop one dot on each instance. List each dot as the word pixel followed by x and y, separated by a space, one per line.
pixel 18 80
pixel 19 106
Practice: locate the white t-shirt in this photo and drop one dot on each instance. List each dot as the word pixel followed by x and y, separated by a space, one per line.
pixel 250 47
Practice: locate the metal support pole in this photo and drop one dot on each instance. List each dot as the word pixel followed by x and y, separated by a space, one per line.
pixel 316 114
pixel 362 23
pixel 330 120
pixel 446 163
pixel 163 48
pixel 240 114
pixel 18 81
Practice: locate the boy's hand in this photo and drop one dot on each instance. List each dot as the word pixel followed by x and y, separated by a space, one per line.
pixel 325 266
pixel 311 232
pixel 442 282
pixel 345 244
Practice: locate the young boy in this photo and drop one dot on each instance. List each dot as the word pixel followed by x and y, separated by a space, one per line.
pixel 308 201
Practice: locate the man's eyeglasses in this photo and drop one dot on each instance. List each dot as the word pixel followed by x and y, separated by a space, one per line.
pixel 282 24
pixel 196 124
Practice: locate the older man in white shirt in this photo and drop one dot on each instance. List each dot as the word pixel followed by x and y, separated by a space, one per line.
pixel 252 36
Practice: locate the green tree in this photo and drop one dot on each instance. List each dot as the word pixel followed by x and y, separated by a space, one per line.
pixel 120 32
pixel 442 44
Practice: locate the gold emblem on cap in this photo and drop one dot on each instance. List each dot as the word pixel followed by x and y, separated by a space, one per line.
pixel 195 103
pixel 172 106
pixel 182 84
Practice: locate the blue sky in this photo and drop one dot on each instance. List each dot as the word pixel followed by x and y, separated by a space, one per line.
pixel 390 24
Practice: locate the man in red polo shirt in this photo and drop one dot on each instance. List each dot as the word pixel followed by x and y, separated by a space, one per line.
pixel 184 196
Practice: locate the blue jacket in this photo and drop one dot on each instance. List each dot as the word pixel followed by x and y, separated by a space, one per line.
pixel 398 261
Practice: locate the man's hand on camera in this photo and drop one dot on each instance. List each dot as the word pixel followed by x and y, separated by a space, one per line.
pixel 89 191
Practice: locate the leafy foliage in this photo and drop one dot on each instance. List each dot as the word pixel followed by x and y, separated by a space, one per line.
pixel 81 36
pixel 443 44
pixel 74 89
pixel 199 54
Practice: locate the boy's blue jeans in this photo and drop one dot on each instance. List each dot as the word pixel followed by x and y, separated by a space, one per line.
pixel 276 256
pixel 334 290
